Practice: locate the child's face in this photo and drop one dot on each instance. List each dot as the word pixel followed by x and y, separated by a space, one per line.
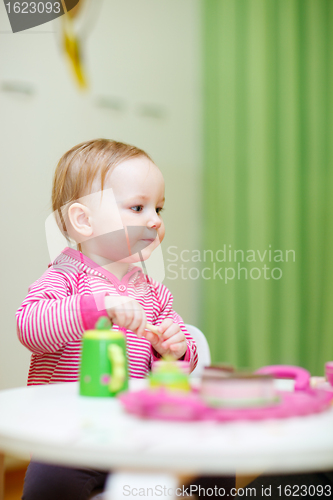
pixel 138 189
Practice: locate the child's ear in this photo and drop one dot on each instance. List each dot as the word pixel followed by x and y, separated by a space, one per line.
pixel 79 217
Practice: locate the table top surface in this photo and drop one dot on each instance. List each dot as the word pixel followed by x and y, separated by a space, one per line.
pixel 56 425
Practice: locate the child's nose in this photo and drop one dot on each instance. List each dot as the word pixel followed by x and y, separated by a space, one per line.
pixel 154 222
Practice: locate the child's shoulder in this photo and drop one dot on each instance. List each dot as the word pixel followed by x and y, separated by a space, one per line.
pixel 62 267
pixel 64 264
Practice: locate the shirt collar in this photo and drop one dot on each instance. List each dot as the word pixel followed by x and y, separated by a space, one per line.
pixel 80 257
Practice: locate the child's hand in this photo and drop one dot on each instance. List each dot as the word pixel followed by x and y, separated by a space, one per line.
pixel 126 313
pixel 172 341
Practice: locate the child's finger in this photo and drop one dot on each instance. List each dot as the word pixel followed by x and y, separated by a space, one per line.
pixel 165 325
pixel 141 327
pixel 172 330
pixel 179 349
pixel 178 337
pixel 128 314
pixel 136 322
pixel 118 317
pixel 153 339
pixel 177 345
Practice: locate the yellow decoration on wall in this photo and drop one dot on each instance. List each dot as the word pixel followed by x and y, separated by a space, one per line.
pixel 76 25
pixel 72 47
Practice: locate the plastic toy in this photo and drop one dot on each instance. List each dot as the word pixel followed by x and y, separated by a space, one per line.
pixel 164 405
pixel 103 369
pixel 170 375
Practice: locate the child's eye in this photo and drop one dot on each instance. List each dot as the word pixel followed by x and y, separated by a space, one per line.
pixel 159 210
pixel 137 208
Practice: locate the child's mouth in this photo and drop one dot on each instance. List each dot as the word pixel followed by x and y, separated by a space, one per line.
pixel 148 240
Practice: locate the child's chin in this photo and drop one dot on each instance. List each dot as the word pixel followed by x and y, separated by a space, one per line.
pixel 138 257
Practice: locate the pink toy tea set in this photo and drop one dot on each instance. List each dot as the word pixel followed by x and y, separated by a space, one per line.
pixel 227 395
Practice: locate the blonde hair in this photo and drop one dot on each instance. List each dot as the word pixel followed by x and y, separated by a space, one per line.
pixel 80 166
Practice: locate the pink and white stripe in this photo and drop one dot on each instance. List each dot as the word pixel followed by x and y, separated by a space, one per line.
pixel 66 300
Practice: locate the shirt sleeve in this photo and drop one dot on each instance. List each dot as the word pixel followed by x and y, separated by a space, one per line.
pixel 53 313
pixel 165 300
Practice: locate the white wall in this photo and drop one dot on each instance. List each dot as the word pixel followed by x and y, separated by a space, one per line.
pixel 140 53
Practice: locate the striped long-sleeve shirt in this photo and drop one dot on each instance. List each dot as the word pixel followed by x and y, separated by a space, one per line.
pixel 69 298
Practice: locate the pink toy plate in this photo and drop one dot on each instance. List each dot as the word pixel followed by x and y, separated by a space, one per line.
pixel 167 406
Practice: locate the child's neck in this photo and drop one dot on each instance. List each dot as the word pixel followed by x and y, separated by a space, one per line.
pixel 118 269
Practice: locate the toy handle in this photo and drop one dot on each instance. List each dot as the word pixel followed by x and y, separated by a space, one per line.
pixel 300 375
pixel 118 371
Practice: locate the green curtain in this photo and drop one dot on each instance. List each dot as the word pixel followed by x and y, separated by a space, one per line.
pixel 268 182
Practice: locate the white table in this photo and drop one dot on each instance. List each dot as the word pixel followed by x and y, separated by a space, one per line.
pixel 56 425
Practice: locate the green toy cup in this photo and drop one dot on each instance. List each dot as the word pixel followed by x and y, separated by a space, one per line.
pixel 103 368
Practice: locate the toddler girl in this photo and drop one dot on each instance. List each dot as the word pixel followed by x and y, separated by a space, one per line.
pixel 108 197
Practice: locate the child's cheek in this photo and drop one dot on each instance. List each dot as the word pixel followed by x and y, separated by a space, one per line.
pixel 161 233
